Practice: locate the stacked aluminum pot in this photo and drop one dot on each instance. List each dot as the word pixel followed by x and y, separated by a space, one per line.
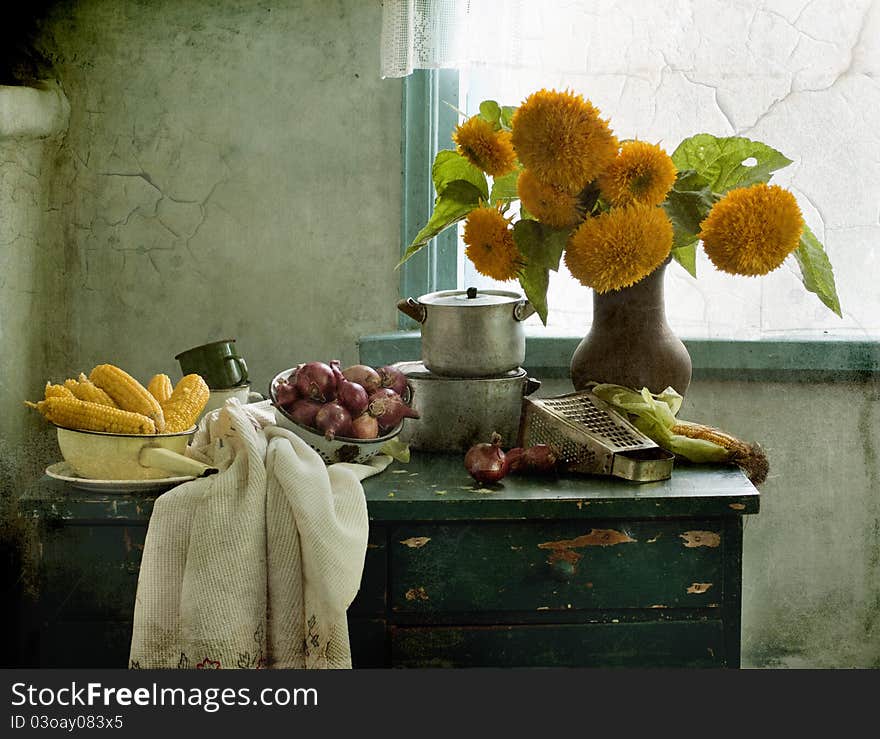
pixel 469 382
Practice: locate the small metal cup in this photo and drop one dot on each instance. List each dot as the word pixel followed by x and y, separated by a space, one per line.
pixel 218 364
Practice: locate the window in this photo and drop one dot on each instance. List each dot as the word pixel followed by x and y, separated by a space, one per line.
pixel 800 76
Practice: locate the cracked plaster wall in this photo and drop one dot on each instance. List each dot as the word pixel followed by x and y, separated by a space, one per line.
pixel 230 170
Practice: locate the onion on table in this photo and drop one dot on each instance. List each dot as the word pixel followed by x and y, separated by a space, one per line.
pixel 358 402
pixel 487 462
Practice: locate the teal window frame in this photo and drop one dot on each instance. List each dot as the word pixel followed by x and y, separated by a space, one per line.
pixel 429 115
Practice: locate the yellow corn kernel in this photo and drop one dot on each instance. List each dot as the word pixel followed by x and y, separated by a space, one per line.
pixel 84 389
pixel 188 400
pixel 160 387
pixel 128 393
pixel 56 391
pixel 73 413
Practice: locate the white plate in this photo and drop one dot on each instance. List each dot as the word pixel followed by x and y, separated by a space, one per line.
pixel 63 471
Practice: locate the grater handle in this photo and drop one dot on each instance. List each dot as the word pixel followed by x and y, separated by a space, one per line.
pixel 643 465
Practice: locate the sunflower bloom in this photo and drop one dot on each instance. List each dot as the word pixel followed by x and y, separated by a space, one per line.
pixel 560 137
pixel 548 203
pixel 619 247
pixel 641 173
pixel 490 150
pixel 751 230
pixel 490 244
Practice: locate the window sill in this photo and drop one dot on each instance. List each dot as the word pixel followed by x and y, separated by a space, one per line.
pixel 548 356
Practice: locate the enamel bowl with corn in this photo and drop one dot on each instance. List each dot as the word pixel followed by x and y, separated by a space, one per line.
pixel 111 427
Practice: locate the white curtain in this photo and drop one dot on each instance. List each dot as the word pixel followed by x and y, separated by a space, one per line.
pixel 443 34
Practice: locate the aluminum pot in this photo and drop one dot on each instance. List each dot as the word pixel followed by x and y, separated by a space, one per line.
pixel 102 456
pixel 470 333
pixel 456 413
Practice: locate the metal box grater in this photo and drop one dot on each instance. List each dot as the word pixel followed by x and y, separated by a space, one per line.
pixel 590 437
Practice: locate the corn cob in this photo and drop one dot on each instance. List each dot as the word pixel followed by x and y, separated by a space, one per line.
pixel 182 409
pixel 750 457
pixel 84 389
pixel 56 391
pixel 160 387
pixel 73 413
pixel 128 393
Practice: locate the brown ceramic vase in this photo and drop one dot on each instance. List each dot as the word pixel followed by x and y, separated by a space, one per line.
pixel 630 342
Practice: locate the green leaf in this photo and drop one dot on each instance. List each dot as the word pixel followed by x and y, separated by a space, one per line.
pixel 504 188
pixel 507 112
pixel 720 160
pixel 541 247
pixel 687 204
pixel 686 256
pixel 491 111
pixel 816 271
pixel 458 199
pixel 450 166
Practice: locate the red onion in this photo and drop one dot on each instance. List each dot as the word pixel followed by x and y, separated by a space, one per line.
pixel 364 427
pixel 388 408
pixel 487 462
pixel 350 394
pixel 364 376
pixel 393 378
pixel 303 411
pixel 333 420
pixel 515 457
pixel 286 393
pixel 315 381
pixel 539 458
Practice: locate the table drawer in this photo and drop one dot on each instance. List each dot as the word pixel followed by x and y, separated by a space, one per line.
pixel 555 566
pixel 647 644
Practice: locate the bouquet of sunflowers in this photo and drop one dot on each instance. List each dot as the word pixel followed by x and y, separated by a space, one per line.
pixel 612 210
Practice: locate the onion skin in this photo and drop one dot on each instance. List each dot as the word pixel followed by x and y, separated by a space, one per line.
pixel 350 394
pixel 393 378
pixel 539 459
pixel 364 376
pixel 286 394
pixel 388 408
pixel 316 381
pixel 515 457
pixel 333 420
pixel 364 426
pixel 487 462
pixel 303 411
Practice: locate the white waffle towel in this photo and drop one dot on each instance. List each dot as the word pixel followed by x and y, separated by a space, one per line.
pixel 255 566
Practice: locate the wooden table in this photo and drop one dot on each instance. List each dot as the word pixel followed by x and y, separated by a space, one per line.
pixel 577 571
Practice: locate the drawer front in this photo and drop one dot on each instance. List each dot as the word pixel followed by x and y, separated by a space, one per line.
pixel 558 566
pixel 645 644
pixel 370 600
pixel 91 572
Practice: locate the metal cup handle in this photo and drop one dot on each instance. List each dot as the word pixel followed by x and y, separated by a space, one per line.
pixel 242 367
pixel 413 308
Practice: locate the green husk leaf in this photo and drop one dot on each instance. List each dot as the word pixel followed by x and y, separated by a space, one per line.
pixel 458 199
pixel 816 271
pixel 654 415
pixel 396 449
pixel 720 160
pixel 541 247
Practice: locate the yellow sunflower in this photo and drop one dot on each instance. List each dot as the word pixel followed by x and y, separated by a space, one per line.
pixel 619 247
pixel 641 173
pixel 751 230
pixel 548 203
pixel 490 244
pixel 560 137
pixel 486 148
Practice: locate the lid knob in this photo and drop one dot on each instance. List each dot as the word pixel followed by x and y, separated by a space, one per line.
pixel 471 293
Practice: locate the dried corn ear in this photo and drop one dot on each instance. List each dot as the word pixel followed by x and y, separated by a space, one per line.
pixel 160 387
pixel 188 400
pixel 56 391
pixel 73 413
pixel 128 393
pixel 749 456
pixel 84 389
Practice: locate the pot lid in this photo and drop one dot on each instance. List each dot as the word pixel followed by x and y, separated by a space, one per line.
pixel 470 298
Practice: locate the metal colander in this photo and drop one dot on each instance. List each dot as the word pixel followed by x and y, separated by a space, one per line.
pixel 592 438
